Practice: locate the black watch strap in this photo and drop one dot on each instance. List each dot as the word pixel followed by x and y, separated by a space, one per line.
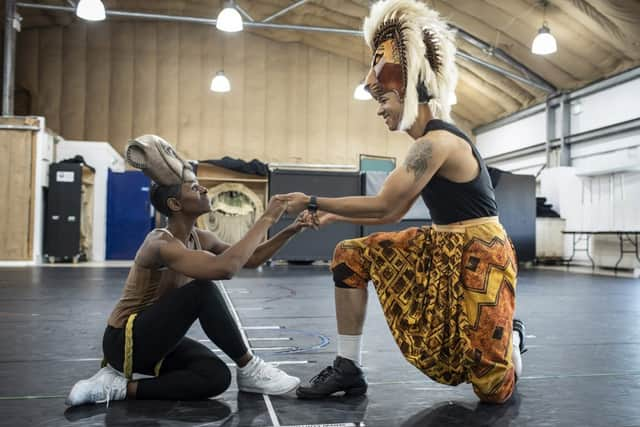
pixel 313 204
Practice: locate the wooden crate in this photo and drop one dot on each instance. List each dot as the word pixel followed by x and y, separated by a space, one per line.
pixel 17 189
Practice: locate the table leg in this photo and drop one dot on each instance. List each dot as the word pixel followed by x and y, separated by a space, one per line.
pixel 621 238
pixel 593 263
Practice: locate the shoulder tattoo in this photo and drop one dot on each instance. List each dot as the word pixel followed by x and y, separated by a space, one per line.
pixel 418 158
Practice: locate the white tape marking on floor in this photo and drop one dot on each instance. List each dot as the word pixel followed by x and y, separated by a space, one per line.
pixel 272 412
pixel 260 339
pixel 250 328
pixel 359 424
pixel 284 362
pixel 217 350
pixel 234 313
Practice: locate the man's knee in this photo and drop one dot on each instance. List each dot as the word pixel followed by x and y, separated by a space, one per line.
pixel 216 376
pixel 204 289
pixel 342 252
pixel 347 266
pixel 200 283
pixel 496 394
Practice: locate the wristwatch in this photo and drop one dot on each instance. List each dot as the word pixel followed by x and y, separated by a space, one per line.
pixel 313 204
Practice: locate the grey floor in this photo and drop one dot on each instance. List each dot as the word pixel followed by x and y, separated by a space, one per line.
pixel 582 369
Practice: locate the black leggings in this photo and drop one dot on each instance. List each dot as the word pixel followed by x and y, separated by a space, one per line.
pixel 190 370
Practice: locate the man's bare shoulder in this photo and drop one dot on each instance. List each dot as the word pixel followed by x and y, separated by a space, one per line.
pixel 426 152
pixel 204 235
pixel 149 252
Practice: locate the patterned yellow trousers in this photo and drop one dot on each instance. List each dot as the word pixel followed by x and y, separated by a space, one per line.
pixel 448 295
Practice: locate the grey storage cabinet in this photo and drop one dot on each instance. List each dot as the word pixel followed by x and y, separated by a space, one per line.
pixel 417 216
pixel 64 214
pixel 314 245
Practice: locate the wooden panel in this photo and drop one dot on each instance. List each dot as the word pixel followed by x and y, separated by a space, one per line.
pixel 167 81
pixel 377 133
pixel 191 86
pixel 98 82
pixel 339 90
pixel 50 78
pixel 121 86
pixel 144 76
pixel 277 93
pixel 27 66
pixel 212 121
pixel 359 118
pixel 16 190
pixel 234 117
pixel 288 103
pixel 255 102
pixel 298 103
pixel 318 106
pixel 397 145
pixel 72 108
pixel 208 171
pixel 212 175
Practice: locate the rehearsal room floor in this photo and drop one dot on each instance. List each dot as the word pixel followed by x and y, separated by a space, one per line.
pixel 582 367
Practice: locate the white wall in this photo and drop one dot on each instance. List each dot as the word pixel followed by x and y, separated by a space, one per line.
pixel 102 157
pixel 521 134
pixel 601 191
pixel 44 156
pixel 611 106
pixel 595 203
pixel 525 165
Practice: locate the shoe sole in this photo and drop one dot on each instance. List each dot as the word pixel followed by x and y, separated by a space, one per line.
pixel 355 391
pixel 271 393
pixel 68 401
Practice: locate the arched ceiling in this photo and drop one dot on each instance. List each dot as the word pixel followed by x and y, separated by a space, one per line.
pixel 596 39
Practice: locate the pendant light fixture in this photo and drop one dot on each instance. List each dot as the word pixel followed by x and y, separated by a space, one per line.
pixel 220 83
pixel 229 19
pixel 91 10
pixel 544 43
pixel 361 94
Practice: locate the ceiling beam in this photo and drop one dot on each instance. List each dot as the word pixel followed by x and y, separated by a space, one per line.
pixel 285 10
pixel 195 20
pixel 530 80
pixel 244 12
pixel 462 54
pixel 504 57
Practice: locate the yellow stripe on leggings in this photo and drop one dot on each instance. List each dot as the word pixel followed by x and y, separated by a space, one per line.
pixel 156 369
pixel 128 347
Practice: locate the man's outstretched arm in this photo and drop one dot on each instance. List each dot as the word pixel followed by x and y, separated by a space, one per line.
pixel 424 159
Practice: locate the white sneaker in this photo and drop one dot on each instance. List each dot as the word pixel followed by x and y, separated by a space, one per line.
pixel 518 346
pixel 261 377
pixel 516 357
pixel 106 385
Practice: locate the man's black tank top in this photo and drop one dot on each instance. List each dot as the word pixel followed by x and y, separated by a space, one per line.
pixel 451 201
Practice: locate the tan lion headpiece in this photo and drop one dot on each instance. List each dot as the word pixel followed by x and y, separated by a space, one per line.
pixel 413 55
pixel 158 160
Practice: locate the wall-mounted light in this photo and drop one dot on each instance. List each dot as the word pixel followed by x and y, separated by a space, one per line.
pixel 220 83
pixel 91 10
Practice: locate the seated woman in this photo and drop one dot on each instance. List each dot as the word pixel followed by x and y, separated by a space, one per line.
pixel 169 287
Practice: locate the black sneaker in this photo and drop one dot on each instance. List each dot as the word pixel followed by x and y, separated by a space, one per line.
pixel 344 375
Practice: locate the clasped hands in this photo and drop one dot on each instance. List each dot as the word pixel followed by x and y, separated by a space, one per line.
pixel 296 203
